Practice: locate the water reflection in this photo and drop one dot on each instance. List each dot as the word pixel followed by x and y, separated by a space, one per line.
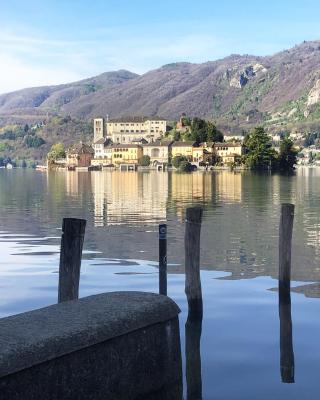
pixel 286 344
pixel 120 196
pixel 241 212
pixel 193 329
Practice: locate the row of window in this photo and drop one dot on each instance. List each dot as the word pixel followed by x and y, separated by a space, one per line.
pixel 121 156
pixel 137 124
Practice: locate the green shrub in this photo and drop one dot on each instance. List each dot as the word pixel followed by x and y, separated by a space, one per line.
pixel 185 166
pixel 144 161
pixel 177 160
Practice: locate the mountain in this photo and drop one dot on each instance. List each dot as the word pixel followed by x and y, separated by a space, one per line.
pixel 238 89
pixel 237 92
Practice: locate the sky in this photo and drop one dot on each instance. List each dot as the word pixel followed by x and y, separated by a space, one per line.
pixel 57 41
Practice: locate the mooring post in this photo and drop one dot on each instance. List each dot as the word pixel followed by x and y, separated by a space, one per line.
pixel 285 244
pixel 192 261
pixel 286 342
pixel 163 259
pixel 70 258
pixel 285 241
pixel 193 329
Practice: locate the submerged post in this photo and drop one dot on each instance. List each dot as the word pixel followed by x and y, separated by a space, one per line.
pixel 285 243
pixel 70 258
pixel 163 259
pixel 192 261
pixel 286 342
pixel 193 329
pixel 285 240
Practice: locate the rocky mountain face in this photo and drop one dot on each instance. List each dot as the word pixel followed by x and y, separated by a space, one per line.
pixel 236 91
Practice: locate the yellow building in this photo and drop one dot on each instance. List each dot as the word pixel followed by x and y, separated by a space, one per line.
pixel 228 152
pixel 184 149
pixel 201 154
pixel 126 153
pixel 129 129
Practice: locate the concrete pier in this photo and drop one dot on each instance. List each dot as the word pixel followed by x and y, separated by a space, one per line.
pixel 121 345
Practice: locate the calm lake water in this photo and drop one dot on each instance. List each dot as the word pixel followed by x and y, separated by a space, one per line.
pixel 240 340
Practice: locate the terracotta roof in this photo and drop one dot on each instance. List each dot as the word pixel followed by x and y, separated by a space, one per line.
pixel 136 119
pixel 185 144
pixel 125 146
pixel 159 143
pixel 228 144
pixel 81 148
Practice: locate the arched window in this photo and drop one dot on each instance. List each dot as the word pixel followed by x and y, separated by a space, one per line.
pixel 155 153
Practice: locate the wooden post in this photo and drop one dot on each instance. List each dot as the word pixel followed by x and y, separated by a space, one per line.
pixel 285 240
pixel 192 261
pixel 285 244
pixel 163 259
pixel 70 258
pixel 286 344
pixel 193 330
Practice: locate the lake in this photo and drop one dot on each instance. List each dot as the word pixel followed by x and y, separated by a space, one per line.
pixel 240 335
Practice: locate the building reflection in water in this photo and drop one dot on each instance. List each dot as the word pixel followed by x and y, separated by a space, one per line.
pixel 286 345
pixel 228 186
pixel 124 197
pixel 204 188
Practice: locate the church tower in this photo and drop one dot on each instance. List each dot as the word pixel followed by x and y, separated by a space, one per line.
pixel 98 129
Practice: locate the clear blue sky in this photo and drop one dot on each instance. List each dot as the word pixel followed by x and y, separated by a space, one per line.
pixel 57 41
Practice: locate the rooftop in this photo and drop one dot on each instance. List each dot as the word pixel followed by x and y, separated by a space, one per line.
pixel 159 143
pixel 125 146
pixel 228 144
pixel 136 119
pixel 81 148
pixel 185 144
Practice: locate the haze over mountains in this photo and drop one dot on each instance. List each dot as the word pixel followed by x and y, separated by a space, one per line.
pixel 238 90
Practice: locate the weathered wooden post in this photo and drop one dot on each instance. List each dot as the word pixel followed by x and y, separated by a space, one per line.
pixel 193 329
pixel 70 258
pixel 163 259
pixel 286 344
pixel 192 261
pixel 285 243
pixel 285 240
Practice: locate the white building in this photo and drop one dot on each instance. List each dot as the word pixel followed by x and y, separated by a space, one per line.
pixel 129 129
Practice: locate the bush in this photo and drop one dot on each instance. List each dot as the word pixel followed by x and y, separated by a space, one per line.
pixel 177 160
pixel 57 151
pixel 144 161
pixel 185 166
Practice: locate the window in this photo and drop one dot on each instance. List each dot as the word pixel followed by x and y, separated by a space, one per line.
pixel 122 131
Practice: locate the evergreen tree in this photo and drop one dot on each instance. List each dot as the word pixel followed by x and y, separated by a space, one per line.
pixel 213 134
pixel 198 130
pixel 259 152
pixel 288 155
